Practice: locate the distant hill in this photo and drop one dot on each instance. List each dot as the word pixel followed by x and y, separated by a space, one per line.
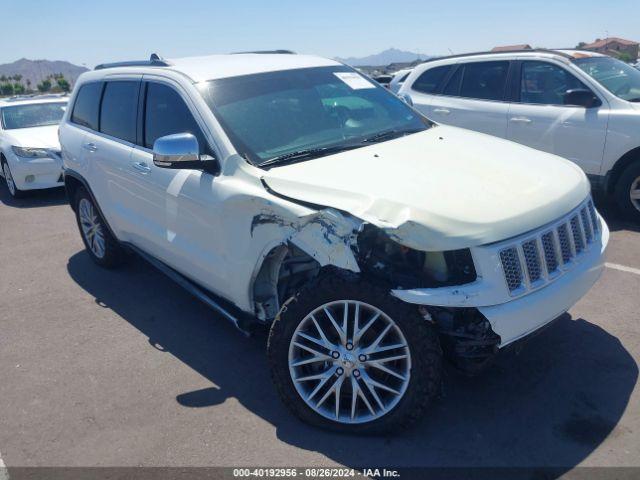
pixel 392 55
pixel 37 70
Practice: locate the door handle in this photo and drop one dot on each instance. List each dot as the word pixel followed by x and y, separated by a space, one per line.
pixel 521 120
pixel 90 146
pixel 141 167
pixel 443 111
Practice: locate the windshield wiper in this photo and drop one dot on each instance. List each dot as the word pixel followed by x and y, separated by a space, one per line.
pixel 390 134
pixel 637 99
pixel 306 154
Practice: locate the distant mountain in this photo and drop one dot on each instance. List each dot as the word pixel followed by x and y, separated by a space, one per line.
pixel 37 70
pixel 392 55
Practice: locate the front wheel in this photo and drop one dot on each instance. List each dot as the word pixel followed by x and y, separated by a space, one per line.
pixel 348 356
pixel 627 191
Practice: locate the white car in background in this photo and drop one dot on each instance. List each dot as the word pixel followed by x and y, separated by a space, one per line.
pixel 398 79
pixel 579 105
pixel 29 148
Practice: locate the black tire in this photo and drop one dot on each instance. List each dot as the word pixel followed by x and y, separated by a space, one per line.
pixel 113 255
pixel 628 178
pixel 15 192
pixel 425 352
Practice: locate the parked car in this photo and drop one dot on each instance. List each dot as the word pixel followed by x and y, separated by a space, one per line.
pixel 291 192
pixel 398 79
pixel 29 148
pixel 580 105
pixel 383 79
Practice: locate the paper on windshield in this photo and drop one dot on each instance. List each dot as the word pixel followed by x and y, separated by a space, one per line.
pixel 354 81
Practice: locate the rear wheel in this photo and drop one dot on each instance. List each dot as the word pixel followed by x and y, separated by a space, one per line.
pixel 627 191
pixel 348 356
pixel 102 247
pixel 14 191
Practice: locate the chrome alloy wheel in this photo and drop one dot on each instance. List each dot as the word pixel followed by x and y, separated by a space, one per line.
pixel 9 179
pixel 634 193
pixel 91 227
pixel 349 361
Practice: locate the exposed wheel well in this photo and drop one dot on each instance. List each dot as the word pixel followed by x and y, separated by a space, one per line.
pixel 624 161
pixel 284 271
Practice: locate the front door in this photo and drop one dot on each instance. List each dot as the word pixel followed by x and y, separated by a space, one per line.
pixel 539 119
pixel 178 212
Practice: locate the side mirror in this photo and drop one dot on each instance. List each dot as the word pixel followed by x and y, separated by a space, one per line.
pixel 406 98
pixel 581 97
pixel 177 151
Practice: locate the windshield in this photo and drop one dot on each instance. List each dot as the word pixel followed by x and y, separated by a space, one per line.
pixel 282 114
pixel 32 115
pixel 619 78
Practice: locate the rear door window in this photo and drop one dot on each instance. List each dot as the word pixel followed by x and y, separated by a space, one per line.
pixel 167 114
pixel 431 79
pixel 484 80
pixel 87 105
pixel 118 114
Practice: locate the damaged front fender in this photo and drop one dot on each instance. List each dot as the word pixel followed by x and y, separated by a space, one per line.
pixel 326 235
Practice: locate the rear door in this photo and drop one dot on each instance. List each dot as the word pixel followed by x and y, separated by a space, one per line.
pixel 474 97
pixel 539 118
pixel 109 147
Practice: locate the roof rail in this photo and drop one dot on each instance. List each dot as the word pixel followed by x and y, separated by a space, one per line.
pixel 154 61
pixel 530 50
pixel 17 98
pixel 266 52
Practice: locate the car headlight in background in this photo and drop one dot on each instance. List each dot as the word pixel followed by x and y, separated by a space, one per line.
pixel 27 152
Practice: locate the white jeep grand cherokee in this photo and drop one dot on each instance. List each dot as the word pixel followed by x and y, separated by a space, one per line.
pixel 290 191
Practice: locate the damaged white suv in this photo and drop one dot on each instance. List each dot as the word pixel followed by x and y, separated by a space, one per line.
pixel 290 191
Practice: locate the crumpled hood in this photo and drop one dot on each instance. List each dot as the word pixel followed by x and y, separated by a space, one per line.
pixel 36 137
pixel 442 189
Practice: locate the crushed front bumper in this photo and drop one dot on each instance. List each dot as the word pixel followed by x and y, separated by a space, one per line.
pixel 514 318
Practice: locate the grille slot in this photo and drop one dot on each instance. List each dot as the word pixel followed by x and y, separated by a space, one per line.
pixel 531 263
pixel 532 260
pixel 587 226
pixel 578 242
pixel 511 267
pixel 594 218
pixel 565 246
pixel 549 247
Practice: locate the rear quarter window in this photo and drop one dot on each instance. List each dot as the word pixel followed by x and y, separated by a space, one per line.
pixel 430 80
pixel 86 109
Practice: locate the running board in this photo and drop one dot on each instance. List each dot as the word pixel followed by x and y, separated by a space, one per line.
pixel 190 287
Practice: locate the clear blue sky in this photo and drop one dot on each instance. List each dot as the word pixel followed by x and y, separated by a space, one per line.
pixel 97 31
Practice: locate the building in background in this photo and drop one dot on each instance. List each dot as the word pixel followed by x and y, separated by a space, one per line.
pixel 626 50
pixel 510 48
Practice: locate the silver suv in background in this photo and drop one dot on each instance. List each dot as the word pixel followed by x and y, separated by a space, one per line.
pixel 579 105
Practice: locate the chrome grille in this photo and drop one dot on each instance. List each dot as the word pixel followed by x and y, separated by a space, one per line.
pixel 534 261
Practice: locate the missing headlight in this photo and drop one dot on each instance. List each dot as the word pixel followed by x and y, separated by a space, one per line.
pixel 405 267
